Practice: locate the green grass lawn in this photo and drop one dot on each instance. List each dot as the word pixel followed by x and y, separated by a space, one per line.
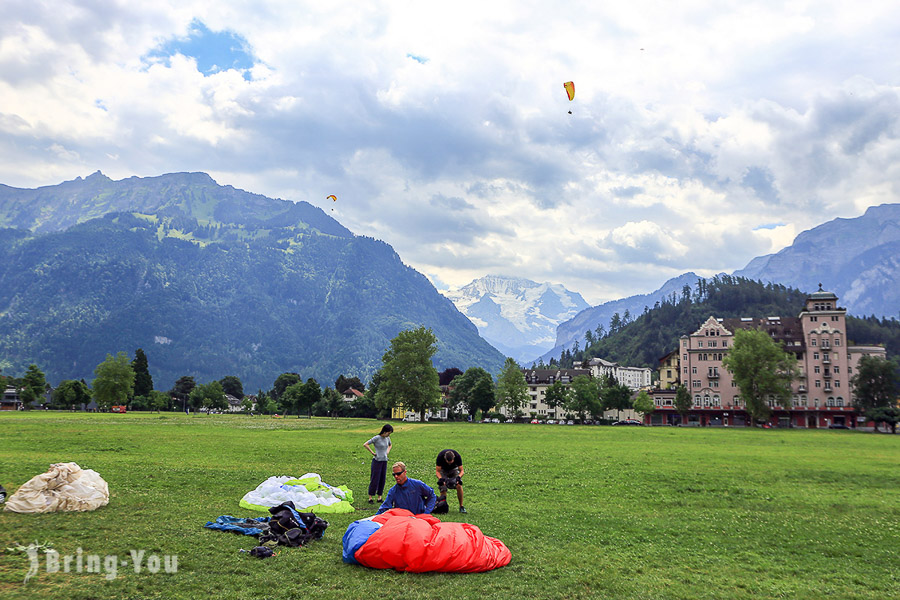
pixel 588 512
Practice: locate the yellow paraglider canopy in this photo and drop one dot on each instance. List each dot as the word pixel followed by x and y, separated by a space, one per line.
pixel 570 89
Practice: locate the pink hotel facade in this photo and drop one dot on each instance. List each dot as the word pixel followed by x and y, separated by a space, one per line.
pixel 821 397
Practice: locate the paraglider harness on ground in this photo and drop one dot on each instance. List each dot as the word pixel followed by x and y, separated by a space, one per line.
pixel 286 526
pixel 291 528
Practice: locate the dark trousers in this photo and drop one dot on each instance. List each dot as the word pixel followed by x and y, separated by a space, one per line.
pixel 377 477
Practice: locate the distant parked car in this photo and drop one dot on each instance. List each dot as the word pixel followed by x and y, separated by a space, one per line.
pixel 534 421
pixel 495 420
pixel 570 422
pixel 838 426
pixel 628 422
pixel 551 422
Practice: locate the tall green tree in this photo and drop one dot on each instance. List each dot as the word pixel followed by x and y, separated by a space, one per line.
pixel 303 396
pixel 33 386
pixel 683 403
pixel 182 389
pixel 143 382
pixel 408 377
pixel 334 403
pixel 512 390
pixel 584 396
pixel 71 393
pixel 158 401
pixel 232 385
pixel 114 381
pixel 209 396
pixel 283 382
pixel 643 404
pixel 473 391
pixel 875 383
pixel 342 384
pixel 616 396
pixel 761 368
pixel 556 395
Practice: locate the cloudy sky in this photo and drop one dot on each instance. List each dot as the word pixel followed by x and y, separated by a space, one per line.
pixel 699 137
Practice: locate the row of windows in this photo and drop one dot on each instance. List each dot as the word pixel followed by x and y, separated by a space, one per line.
pixel 713 344
pixel 715 401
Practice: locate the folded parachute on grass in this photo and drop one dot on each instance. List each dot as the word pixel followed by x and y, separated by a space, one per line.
pixel 64 487
pixel 308 493
pixel 397 539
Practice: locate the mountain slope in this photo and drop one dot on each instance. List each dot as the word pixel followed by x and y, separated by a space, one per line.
pixel 517 316
pixel 209 281
pixel 855 258
pixel 568 332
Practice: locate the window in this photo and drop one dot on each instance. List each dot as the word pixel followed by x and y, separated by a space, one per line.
pixel 816 369
pixel 837 369
pixel 837 383
pixel 818 383
pixel 814 319
pixel 713 344
pixel 834 318
pixel 699 344
pixel 837 341
pixel 697 400
pixel 716 401
pixel 812 342
pixel 724 343
pixel 693 370
pixel 839 401
pixel 684 358
pixel 696 383
pixel 815 356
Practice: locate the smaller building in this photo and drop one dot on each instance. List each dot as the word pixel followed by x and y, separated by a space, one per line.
pixel 352 394
pixel 11 399
pixel 669 378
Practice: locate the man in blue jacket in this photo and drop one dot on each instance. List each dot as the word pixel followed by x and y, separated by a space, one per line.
pixel 411 494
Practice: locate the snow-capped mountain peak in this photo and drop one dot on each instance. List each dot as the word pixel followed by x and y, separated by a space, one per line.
pixel 517 316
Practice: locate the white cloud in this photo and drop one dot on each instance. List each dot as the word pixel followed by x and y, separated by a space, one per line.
pixel 444 129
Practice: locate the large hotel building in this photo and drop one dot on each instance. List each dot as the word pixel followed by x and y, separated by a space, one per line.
pixel 821 397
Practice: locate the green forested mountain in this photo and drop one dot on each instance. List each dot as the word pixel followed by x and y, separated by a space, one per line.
pixel 209 281
pixel 642 341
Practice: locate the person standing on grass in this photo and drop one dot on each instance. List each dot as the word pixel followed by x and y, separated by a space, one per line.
pixel 449 471
pixel 415 496
pixel 382 445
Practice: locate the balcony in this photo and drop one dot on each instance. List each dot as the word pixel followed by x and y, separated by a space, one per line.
pixel 826 360
pixel 712 374
pixel 827 388
pixel 801 388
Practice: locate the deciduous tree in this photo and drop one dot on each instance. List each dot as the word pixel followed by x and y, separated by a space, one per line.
pixel 512 390
pixel 875 383
pixel 33 386
pixel 114 381
pixel 232 385
pixel 643 404
pixel 71 393
pixel 474 389
pixel 408 377
pixel 761 368
pixel 584 396
pixel 683 403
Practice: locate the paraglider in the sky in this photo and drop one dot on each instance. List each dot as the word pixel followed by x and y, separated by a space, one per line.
pixel 570 90
pixel 333 198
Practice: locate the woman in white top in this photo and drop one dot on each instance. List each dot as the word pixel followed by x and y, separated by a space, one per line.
pixel 382 446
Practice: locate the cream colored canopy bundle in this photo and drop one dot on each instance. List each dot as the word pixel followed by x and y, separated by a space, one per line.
pixel 64 487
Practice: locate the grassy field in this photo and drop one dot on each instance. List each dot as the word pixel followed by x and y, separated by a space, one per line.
pixel 588 512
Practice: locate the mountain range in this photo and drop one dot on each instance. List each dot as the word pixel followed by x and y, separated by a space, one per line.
pixel 517 316
pixel 210 281
pixel 858 259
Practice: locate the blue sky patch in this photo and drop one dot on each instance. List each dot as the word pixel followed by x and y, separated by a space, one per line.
pixel 214 51
pixel 768 226
pixel 418 59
